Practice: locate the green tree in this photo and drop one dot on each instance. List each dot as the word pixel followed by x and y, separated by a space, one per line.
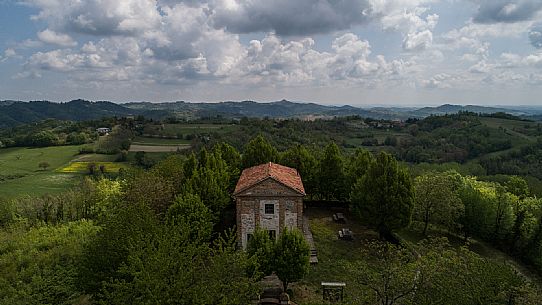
pixel 332 174
pixel 44 165
pixel 44 138
pixel 260 249
pixel 300 158
pixel 357 167
pixel 211 182
pixel 150 189
pixel 167 268
pixel 125 229
pixel 291 256
pixel 384 197
pixel 437 200
pixel 517 186
pixel 259 151
pixel 188 211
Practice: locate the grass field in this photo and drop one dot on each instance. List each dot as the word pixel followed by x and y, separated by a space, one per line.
pixel 83 167
pixel 22 176
pixel 157 148
pixel 159 141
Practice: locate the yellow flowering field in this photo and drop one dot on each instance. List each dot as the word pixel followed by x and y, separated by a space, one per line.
pixel 83 167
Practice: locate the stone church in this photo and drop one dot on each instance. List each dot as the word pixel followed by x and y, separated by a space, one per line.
pixel 268 196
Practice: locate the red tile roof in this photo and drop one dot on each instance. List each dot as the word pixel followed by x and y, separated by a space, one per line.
pixel 283 174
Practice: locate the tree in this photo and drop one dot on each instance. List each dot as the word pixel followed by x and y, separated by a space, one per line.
pixel 44 165
pixel 300 158
pixel 357 167
pixel 517 186
pixel 437 199
pixel 288 256
pixel 259 151
pixel 384 197
pixel 260 249
pixel 291 256
pixel 188 211
pixel 44 138
pixel 150 189
pixel 331 175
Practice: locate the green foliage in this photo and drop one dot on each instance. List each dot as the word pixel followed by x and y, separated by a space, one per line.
pixel 259 151
pixel 44 165
pixel 167 268
pixel 151 189
pixel 127 228
pixel 261 249
pixel 517 186
pixel 358 165
pixel 287 256
pixel 291 256
pixel 39 265
pixel 437 199
pixel 211 182
pixel 332 165
pixel 384 197
pixel 438 274
pixel 188 211
pixel 300 158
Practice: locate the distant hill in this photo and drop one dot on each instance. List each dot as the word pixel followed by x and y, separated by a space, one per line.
pixel 14 113
pixel 449 109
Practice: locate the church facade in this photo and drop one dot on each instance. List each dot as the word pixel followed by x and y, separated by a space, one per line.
pixel 270 197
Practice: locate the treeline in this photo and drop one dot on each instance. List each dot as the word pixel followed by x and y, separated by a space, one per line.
pixel 159 236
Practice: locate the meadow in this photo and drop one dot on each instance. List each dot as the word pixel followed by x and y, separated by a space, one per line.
pixel 20 173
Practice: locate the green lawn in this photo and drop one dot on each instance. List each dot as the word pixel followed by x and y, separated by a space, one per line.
pixel 332 252
pixel 21 175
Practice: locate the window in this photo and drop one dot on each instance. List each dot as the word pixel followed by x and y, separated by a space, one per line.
pixel 249 237
pixel 269 208
pixel 272 234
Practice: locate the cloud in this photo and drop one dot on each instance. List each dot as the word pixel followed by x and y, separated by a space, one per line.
pixel 52 37
pixel 535 36
pixel 97 17
pixel 507 11
pixel 416 30
pixel 286 17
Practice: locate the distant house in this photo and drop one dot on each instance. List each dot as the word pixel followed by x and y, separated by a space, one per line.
pixel 268 196
pixel 103 131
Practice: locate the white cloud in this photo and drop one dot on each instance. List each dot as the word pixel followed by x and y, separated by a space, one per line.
pixel 51 37
pixel 416 30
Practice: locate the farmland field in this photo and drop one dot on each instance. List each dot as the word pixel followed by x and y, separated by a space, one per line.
pixel 158 148
pixel 83 167
pixel 20 174
pixel 159 141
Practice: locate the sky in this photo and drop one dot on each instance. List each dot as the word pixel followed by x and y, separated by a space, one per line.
pixel 356 52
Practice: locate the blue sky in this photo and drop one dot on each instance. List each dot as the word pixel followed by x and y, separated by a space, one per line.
pixel 358 52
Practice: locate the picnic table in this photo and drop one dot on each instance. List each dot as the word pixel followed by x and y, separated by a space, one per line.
pixel 346 234
pixel 339 217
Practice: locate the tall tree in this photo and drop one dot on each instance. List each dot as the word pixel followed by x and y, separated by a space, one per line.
pixel 332 175
pixel 189 212
pixel 437 200
pixel 357 167
pixel 384 197
pixel 291 256
pixel 300 158
pixel 259 151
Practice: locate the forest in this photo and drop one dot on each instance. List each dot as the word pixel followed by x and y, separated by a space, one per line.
pixel 431 203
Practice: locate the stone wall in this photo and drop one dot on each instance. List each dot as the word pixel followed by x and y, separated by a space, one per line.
pixel 250 204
